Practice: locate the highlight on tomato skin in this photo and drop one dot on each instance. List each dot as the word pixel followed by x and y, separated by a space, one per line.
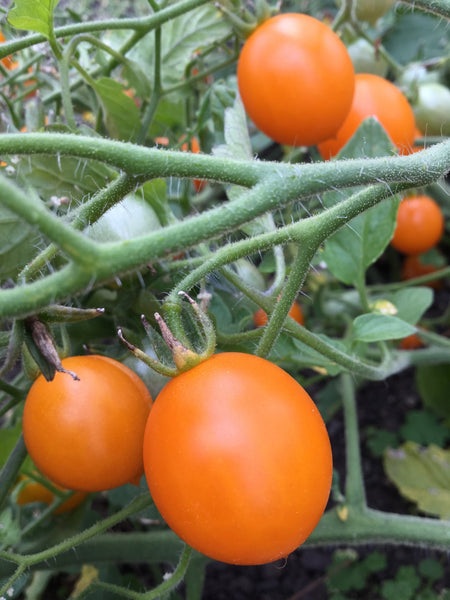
pixel 87 435
pixel 296 79
pixel 238 460
pixel 420 225
pixel 375 97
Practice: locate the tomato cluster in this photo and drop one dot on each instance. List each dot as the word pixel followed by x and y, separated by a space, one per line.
pixel 236 455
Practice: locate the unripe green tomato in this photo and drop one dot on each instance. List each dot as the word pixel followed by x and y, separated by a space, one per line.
pixel 365 59
pixel 432 109
pixel 129 219
pixel 370 10
pixel 416 74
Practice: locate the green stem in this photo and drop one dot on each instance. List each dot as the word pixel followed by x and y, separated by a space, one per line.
pixel 299 270
pixel 367 526
pixel 9 472
pixel 31 209
pixel 28 560
pixel 156 92
pixel 354 488
pixel 88 213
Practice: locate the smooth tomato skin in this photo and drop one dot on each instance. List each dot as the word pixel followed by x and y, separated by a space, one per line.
pixel 238 460
pixel 260 317
pixel 87 435
pixel 420 225
pixel 375 97
pixel 33 491
pixel 411 342
pixel 296 79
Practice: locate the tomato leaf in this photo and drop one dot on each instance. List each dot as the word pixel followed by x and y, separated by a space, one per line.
pixel 411 303
pixel 433 383
pixel 17 243
pixel 352 249
pixel 421 475
pixel 120 113
pixel 424 428
pixel 376 327
pixel 181 38
pixel 33 15
pixel 8 440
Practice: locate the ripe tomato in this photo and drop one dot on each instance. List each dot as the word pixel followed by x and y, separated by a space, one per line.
pixel 7 61
pixel 33 491
pixel 260 316
pixel 194 147
pixel 420 225
pixel 238 459
pixel 376 97
pixel 296 79
pixel 87 435
pixel 413 267
pixel 411 342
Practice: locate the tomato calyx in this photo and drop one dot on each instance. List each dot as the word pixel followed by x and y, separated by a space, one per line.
pixel 173 355
pixel 42 348
pixel 246 22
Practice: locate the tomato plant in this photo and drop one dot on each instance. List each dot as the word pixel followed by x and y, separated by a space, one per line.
pixel 34 491
pixel 288 71
pixel 7 61
pixel 194 146
pixel 296 313
pixel 420 225
pixel 237 459
pixel 375 97
pixel 411 342
pixel 87 435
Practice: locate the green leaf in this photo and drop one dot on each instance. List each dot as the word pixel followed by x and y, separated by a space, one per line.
pixel 424 428
pixel 181 38
pixel 33 15
pixel 378 440
pixel 376 327
pixel 433 383
pixel 431 569
pixel 9 528
pixel 416 37
pixel 411 303
pixel 18 242
pixel 422 475
pixel 352 249
pixel 120 113
pixel 404 586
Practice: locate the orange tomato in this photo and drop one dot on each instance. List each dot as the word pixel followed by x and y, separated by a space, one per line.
pixel 411 342
pixel 376 97
pixel 237 459
pixel 87 435
pixel 33 491
pixel 260 316
pixel 296 79
pixel 7 61
pixel 413 267
pixel 420 225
